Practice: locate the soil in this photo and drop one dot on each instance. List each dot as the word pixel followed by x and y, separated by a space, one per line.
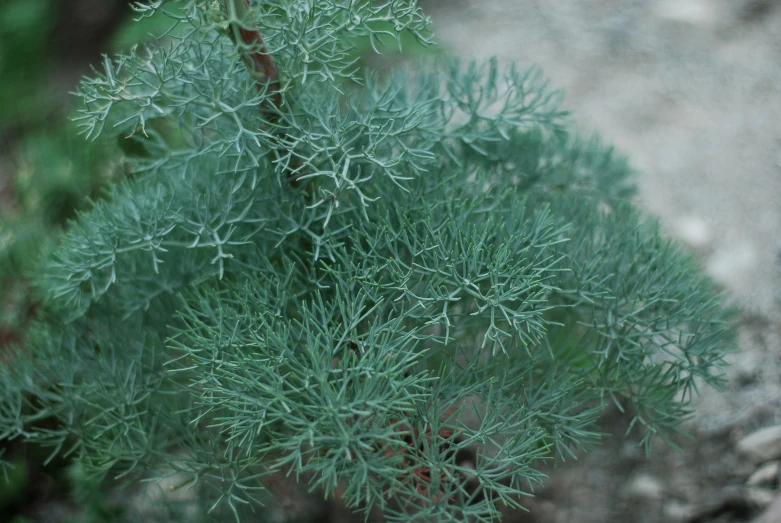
pixel 690 90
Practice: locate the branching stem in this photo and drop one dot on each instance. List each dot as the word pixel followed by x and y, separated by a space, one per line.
pixel 246 36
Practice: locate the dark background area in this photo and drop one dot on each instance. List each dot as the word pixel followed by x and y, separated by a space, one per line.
pixel 47 173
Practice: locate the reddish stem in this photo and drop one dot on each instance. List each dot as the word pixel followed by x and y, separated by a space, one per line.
pixel 254 52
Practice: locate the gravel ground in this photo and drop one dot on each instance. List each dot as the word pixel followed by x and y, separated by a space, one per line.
pixel 691 91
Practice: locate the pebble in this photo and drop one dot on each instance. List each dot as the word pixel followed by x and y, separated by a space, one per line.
pixel 762 445
pixel 156 494
pixel 645 486
pixel 766 474
pixel 760 497
pixel 675 510
pixel 733 266
pixel 693 231
pixel 700 13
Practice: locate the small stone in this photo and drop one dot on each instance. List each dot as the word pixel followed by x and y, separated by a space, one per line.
pixel 645 486
pixel 171 489
pixel 760 497
pixel 675 510
pixel 693 231
pixel 766 474
pixel 762 445
pixel 694 12
pixel 732 267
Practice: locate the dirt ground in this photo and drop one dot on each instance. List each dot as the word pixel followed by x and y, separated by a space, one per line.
pixel 691 91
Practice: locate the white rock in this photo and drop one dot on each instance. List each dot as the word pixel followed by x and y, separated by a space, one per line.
pixel 645 486
pixel 760 497
pixel 695 12
pixel 675 510
pixel 762 445
pixel 765 474
pixel 733 266
pixel 693 231
pixel 174 487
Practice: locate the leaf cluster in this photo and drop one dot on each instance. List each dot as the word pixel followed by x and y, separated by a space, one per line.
pixel 357 291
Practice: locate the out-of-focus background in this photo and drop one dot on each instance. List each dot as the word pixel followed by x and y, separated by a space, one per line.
pixel 48 172
pixel 690 90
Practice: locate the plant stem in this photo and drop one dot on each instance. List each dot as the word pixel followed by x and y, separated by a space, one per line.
pixel 259 62
pixel 254 52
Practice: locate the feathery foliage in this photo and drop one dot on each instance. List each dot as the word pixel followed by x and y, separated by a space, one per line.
pixel 412 291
